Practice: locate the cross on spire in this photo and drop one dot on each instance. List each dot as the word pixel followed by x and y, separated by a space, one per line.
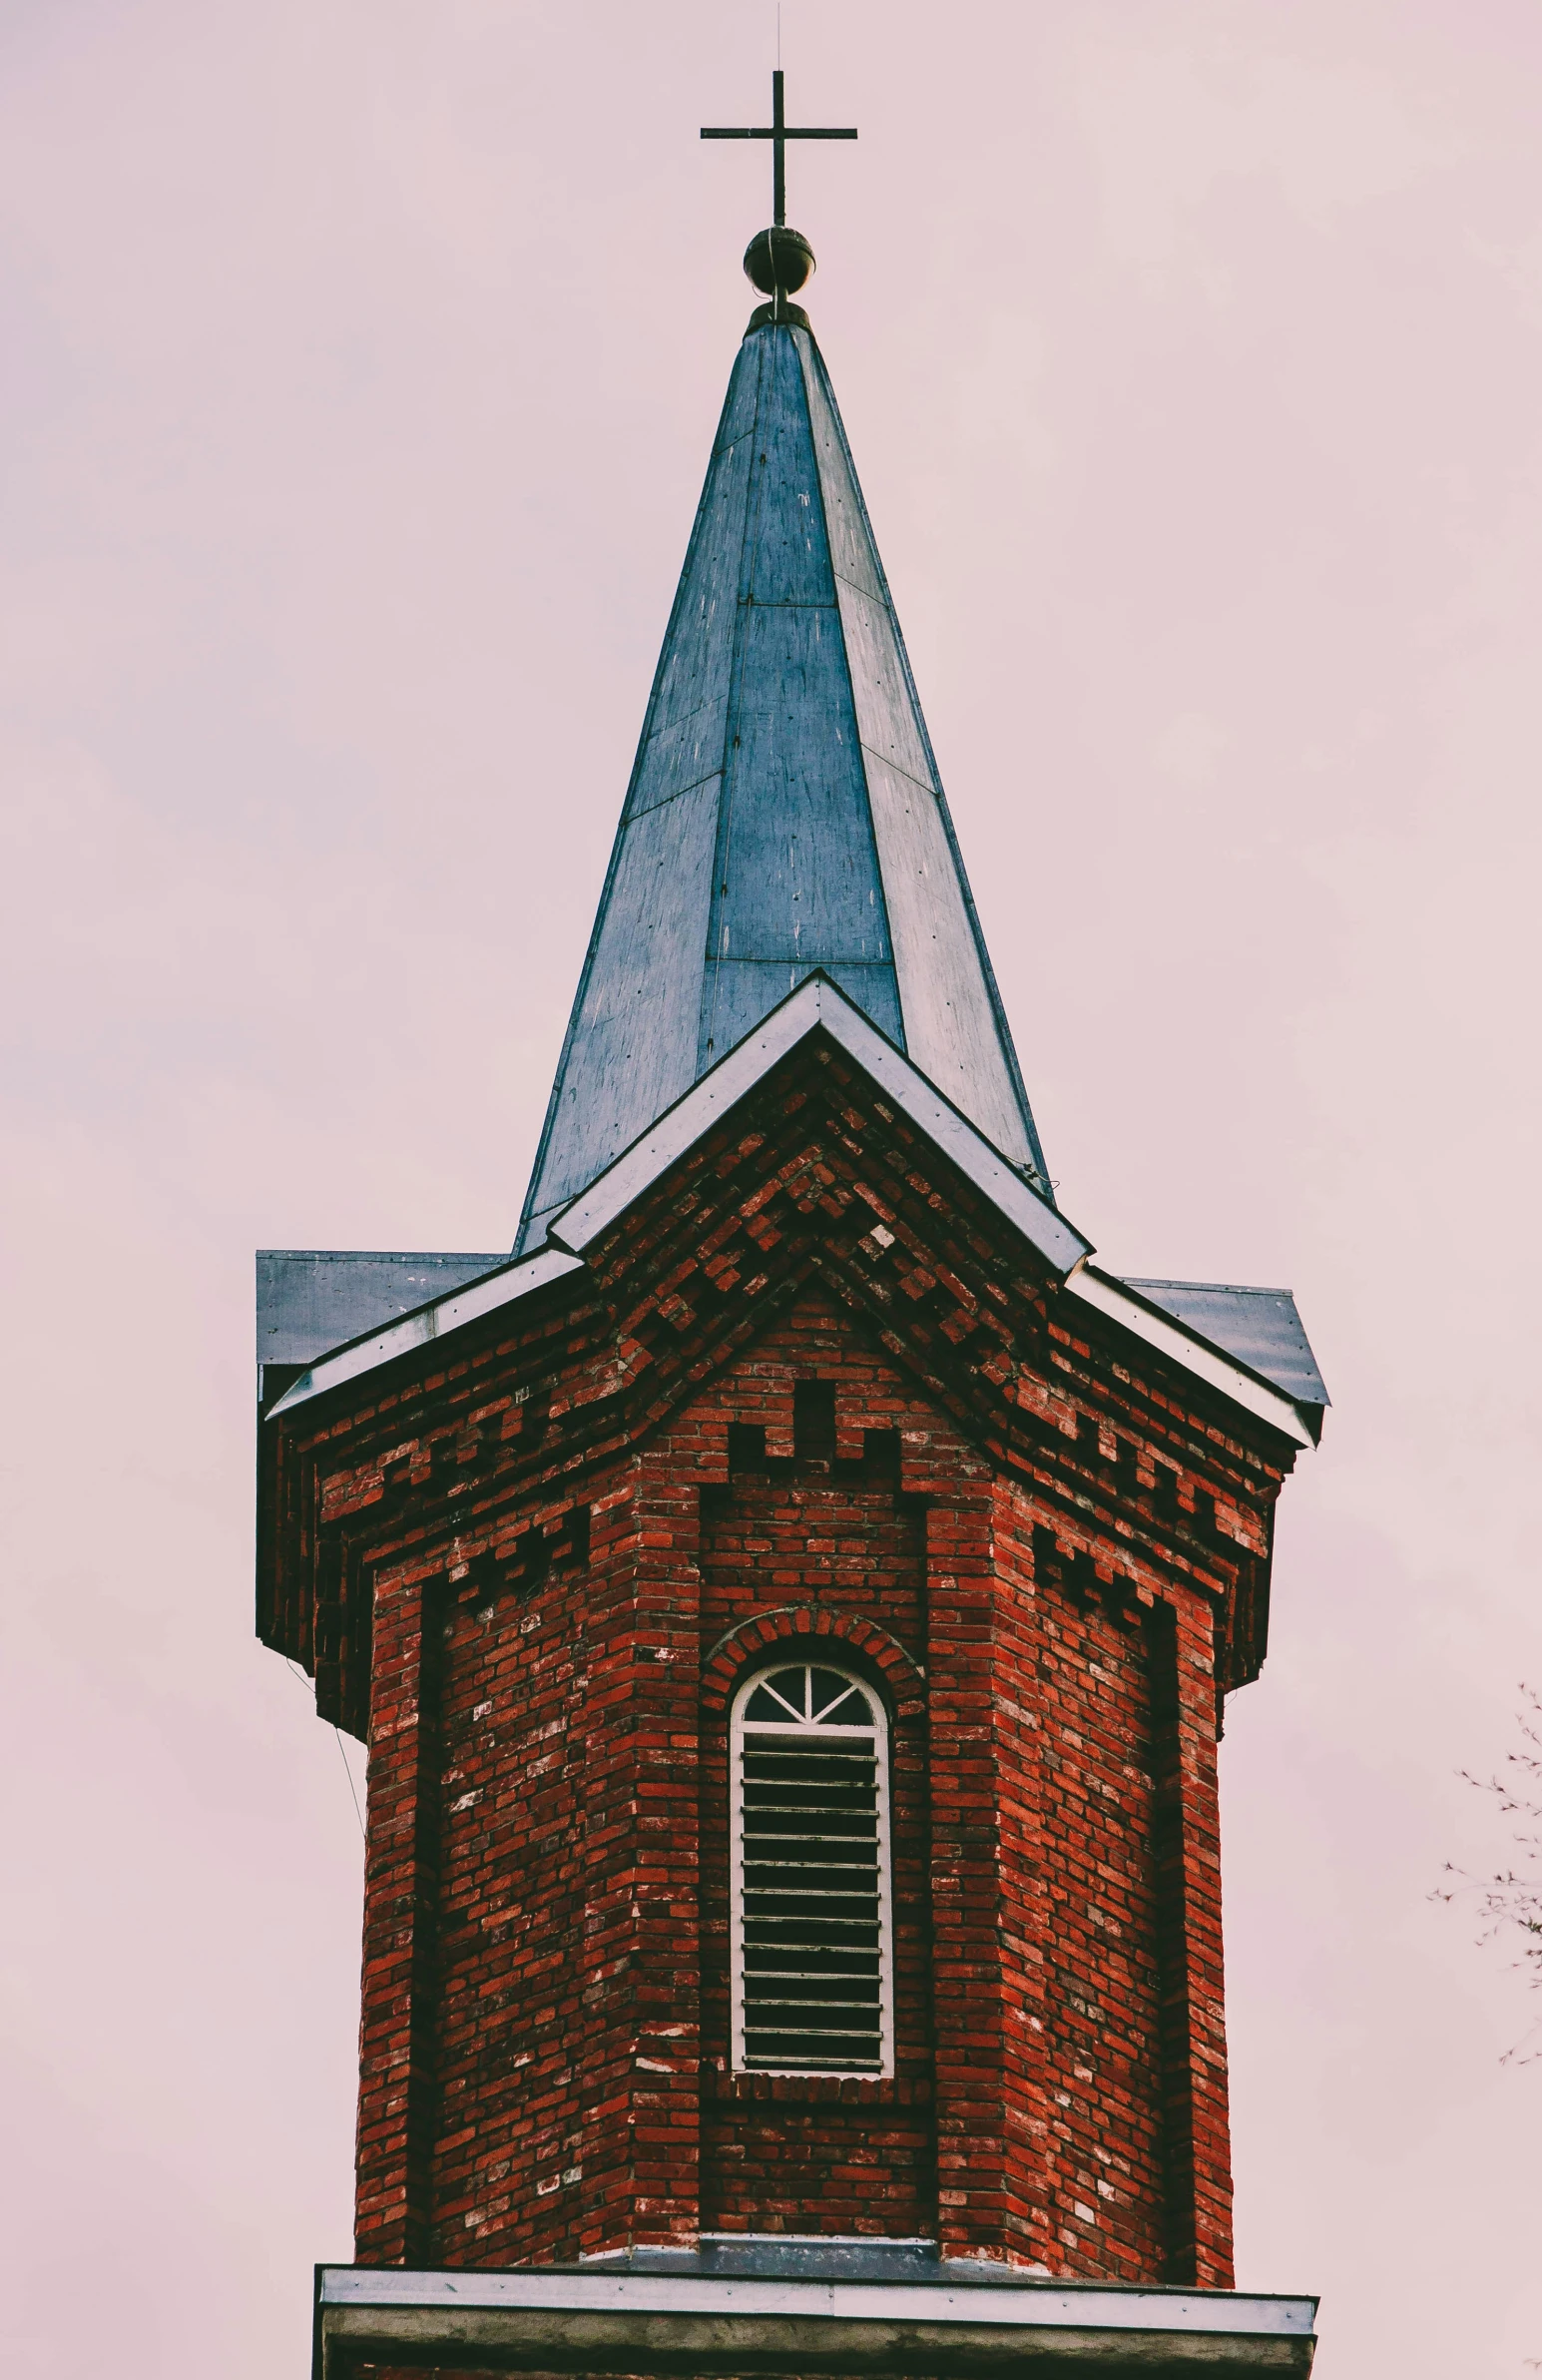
pixel 779 132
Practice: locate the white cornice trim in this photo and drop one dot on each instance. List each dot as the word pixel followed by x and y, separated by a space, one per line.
pixel 816 1003
pixel 1194 1356
pixel 428 1323
pixel 1020 2304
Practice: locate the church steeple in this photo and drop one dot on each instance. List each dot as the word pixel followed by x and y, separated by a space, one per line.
pixel 791 1608
pixel 785 812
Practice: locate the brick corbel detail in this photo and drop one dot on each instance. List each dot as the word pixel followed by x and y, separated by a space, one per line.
pixel 804 1624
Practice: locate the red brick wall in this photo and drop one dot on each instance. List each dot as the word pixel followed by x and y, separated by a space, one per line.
pixel 1083 1837
pixel 545 2052
pixel 538 1896
pixel 832 1529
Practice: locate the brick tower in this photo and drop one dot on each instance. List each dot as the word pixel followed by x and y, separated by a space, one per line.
pixel 789 1605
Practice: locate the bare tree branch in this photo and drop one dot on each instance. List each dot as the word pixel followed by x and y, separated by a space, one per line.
pixel 1509 1902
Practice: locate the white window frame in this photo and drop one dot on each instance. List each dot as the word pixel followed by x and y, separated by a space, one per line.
pixel 793 1657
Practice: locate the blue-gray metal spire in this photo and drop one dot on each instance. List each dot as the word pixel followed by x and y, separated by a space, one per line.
pixel 785 811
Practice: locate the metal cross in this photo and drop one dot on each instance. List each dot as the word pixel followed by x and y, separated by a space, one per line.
pixel 781 131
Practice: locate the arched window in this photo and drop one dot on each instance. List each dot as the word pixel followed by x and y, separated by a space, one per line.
pixel 812 1958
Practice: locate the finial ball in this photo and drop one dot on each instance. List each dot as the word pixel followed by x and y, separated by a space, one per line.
pixel 779 259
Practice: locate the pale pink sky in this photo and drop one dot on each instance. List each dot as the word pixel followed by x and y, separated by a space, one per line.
pixel 361 366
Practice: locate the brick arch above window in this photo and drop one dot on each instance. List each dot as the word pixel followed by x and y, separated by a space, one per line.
pixel 805 1625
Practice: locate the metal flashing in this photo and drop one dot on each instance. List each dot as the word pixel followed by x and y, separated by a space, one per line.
pixel 781 2256
pixel 310 1300
pixel 1260 1327
pixel 958 2320
pixel 433 1321
pixel 1007 2297
pixel 1190 1351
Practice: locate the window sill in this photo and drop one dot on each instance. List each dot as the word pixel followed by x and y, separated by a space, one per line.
pixel 817 2091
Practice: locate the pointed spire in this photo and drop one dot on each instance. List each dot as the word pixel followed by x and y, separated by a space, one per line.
pixel 785 812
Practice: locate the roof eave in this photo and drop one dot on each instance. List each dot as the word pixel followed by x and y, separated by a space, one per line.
pixel 817 1006
pixel 436 1319
pixel 1201 1358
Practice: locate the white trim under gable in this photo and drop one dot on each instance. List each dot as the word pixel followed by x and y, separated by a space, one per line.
pixel 818 1001
pixel 817 1004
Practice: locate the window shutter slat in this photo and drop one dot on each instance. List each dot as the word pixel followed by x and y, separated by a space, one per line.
pixel 812 1883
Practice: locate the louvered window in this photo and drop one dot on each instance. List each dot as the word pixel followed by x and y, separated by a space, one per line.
pixel 811 1958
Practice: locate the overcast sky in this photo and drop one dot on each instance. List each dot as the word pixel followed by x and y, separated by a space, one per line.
pixel 360 363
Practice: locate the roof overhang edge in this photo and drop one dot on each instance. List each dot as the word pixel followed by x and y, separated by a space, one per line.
pixel 1196 1355
pixel 429 1323
pixel 817 1004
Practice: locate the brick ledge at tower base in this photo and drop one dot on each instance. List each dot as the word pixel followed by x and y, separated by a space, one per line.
pixel 696 2318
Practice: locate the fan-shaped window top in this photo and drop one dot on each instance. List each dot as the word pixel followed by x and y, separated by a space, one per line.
pixel 812 1952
